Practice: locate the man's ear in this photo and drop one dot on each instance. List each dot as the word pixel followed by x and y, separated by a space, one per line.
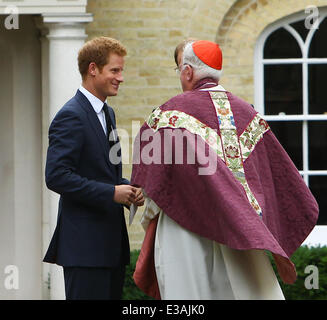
pixel 93 69
pixel 189 73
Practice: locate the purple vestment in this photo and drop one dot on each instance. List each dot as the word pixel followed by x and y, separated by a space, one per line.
pixel 218 205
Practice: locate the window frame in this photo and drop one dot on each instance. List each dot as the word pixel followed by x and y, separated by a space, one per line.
pixel 259 63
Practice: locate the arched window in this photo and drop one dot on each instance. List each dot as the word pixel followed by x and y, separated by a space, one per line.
pixel 291 93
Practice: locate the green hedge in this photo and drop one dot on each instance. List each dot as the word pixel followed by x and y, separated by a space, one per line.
pixel 131 291
pixel 303 257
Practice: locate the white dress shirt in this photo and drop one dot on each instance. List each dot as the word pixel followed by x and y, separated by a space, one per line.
pixel 97 105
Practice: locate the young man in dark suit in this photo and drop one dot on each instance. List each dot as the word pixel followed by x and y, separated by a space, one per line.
pixel 84 166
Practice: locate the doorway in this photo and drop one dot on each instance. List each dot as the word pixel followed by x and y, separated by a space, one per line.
pixel 20 161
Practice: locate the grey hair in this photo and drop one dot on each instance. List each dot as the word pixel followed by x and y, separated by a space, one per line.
pixel 201 70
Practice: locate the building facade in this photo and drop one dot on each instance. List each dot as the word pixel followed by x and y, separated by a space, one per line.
pixel 274 57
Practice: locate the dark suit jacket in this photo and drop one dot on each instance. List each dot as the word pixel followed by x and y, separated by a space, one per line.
pixel 91 229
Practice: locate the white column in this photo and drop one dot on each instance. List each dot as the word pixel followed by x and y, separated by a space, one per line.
pixel 64 36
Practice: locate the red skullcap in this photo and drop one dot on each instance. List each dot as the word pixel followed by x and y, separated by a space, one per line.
pixel 209 53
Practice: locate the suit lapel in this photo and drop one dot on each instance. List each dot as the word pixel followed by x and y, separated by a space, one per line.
pixel 97 127
pixel 113 121
pixel 95 124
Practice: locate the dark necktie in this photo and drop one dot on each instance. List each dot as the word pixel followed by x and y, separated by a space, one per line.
pixel 113 139
pixel 109 124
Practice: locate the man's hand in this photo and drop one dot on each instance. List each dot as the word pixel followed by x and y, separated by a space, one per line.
pixel 125 194
pixel 139 198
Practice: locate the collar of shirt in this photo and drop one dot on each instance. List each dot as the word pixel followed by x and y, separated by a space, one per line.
pixel 96 103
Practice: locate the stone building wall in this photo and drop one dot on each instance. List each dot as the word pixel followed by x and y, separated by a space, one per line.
pixel 150 29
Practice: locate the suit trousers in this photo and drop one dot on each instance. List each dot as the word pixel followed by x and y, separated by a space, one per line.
pixel 94 283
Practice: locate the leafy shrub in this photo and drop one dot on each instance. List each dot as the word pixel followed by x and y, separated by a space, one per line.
pixel 305 257
pixel 302 258
pixel 131 291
